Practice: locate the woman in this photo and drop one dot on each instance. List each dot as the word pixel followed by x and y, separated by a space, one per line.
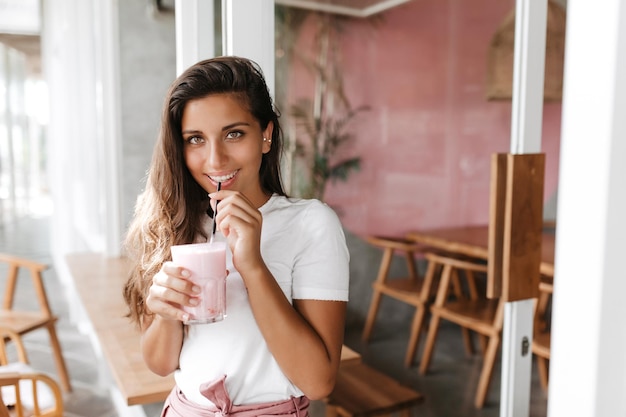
pixel 287 285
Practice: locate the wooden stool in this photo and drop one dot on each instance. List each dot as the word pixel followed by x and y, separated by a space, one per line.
pixel 362 391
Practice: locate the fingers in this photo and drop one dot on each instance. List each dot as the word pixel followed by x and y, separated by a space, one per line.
pixel 171 289
pixel 240 222
pixel 236 212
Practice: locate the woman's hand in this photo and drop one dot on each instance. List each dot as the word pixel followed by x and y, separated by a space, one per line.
pixel 171 289
pixel 240 222
pixel 162 333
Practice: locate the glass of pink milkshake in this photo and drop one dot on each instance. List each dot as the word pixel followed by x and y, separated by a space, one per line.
pixel 207 264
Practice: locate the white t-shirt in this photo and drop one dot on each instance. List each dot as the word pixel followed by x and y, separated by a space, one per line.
pixel 304 247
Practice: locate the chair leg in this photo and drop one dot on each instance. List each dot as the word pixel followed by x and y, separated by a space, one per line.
pixel 376 295
pixel 457 288
pixel 4 411
pixel 371 315
pixel 471 285
pixel 58 359
pixel 485 375
pixel 410 264
pixel 416 331
pixel 483 341
pixel 542 365
pixel 468 341
pixel 433 328
pixel 541 308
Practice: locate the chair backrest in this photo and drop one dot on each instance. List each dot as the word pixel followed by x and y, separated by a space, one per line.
pixel 546 289
pixel 10 338
pixel 8 380
pixel 22 386
pixel 15 264
pixel 451 266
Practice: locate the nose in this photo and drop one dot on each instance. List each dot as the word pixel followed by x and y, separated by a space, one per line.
pixel 217 155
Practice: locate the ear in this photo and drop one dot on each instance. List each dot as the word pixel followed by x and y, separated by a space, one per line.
pixel 267 134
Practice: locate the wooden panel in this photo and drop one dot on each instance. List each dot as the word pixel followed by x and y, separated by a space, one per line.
pixel 497 198
pixel 523 226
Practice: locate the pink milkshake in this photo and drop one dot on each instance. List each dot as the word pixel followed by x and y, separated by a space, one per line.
pixel 207 264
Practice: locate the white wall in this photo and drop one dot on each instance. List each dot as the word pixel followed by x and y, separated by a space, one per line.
pixel 108 65
pixel 588 366
pixel 147 48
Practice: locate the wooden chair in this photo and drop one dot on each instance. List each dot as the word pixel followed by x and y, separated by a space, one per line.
pixel 24 321
pixel 514 254
pixel 410 290
pixel 479 314
pixel 541 336
pixel 31 393
pixel 362 391
pixel 8 379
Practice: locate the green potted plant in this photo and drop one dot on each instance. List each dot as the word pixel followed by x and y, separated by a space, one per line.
pixel 317 127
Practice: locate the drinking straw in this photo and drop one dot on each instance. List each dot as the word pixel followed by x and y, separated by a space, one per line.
pixel 219 187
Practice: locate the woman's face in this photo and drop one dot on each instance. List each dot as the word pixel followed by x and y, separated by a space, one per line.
pixel 224 143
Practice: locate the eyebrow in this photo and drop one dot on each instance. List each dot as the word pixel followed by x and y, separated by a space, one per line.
pixel 230 126
pixel 227 127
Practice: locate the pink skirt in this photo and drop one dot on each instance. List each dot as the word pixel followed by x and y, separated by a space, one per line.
pixel 177 405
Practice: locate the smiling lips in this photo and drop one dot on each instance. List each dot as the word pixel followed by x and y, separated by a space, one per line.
pixel 223 178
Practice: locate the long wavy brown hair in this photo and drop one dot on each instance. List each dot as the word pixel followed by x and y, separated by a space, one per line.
pixel 172 208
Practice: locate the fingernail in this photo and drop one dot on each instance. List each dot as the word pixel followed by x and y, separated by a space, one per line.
pixel 196 289
pixel 185 273
pixel 185 317
pixel 194 301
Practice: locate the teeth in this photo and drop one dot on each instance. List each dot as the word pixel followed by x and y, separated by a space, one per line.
pixel 223 178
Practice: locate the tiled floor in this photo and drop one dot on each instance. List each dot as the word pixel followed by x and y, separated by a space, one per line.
pixel 449 388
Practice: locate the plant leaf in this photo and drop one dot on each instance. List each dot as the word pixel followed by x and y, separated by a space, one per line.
pixel 341 170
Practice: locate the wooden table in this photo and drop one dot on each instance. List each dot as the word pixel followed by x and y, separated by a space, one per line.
pixel 98 282
pixel 473 241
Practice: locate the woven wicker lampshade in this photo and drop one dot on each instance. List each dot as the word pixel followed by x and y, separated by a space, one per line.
pixel 500 60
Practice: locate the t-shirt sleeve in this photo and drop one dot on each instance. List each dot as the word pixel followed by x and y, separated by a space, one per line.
pixel 321 268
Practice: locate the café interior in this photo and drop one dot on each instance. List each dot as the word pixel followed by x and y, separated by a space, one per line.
pixel 483 221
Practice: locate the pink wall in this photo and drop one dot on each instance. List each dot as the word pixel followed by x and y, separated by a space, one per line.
pixel 427 140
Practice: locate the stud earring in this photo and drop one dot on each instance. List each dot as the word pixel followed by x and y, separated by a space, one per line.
pixel 266 140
